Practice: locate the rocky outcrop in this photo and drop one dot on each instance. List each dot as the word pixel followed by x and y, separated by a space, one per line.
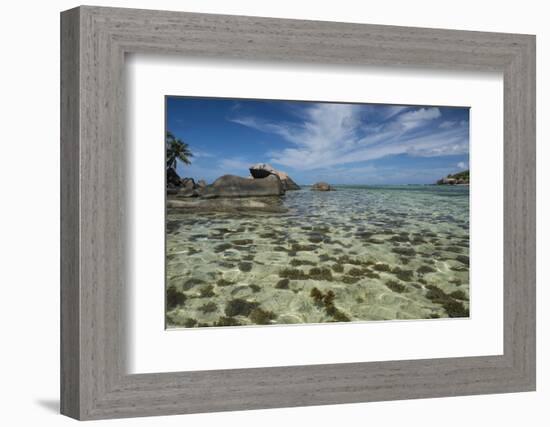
pixel 263 170
pixel 188 188
pixel 188 183
pixel 322 186
pixel 230 193
pixel 236 186
pixel 181 187
pixel 172 178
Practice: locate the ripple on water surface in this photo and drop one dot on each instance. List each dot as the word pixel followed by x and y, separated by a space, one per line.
pixel 355 254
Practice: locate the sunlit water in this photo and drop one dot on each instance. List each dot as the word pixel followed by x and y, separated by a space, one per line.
pixel 355 254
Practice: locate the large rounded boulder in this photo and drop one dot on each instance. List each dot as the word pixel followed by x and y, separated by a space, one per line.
pixel 236 186
pixel 263 170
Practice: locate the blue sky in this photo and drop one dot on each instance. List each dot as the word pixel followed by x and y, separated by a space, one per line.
pixel 317 141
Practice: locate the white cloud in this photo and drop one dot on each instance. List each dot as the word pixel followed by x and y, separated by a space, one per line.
pixel 336 134
pixel 462 165
pixel 200 153
pixel 447 124
pixel 416 118
pixel 393 110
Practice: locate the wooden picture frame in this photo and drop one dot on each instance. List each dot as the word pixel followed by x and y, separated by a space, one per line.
pixel 94 382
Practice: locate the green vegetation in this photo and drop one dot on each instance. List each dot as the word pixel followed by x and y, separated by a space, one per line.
pixel 372 274
pixel 463 259
pixel 227 321
pixel 381 267
pixel 293 273
pixel 261 317
pixel 399 238
pixel 457 178
pixel 395 286
pixel 316 273
pixel 338 268
pixel 349 280
pixel 322 273
pixel 459 295
pixel 209 307
pixel 282 284
pixel 223 282
pixel 245 266
pixel 405 275
pixel 465 175
pixel 327 301
pixel 418 240
pixel 240 307
pixel 317 295
pixel 207 291
pixel 242 242
pixel 423 269
pixel 174 298
pixel 452 306
pixel 296 247
pixel 189 323
pixel 222 247
pixel 299 262
pixel 176 150
pixel 356 272
pixel 346 259
pixel 404 251
pixel 454 249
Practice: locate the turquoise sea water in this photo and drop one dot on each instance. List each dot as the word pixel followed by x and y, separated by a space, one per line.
pixel 359 253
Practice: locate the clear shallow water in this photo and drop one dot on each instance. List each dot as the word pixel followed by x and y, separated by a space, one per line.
pixel 355 254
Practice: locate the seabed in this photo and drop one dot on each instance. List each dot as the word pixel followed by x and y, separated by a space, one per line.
pixel 355 254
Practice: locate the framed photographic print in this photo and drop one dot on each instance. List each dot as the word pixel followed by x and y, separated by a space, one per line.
pixel 262 213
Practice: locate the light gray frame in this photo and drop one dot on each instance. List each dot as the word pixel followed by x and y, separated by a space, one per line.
pixel 94 41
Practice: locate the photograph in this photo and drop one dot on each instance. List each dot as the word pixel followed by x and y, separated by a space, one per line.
pixel 265 215
pixel 300 212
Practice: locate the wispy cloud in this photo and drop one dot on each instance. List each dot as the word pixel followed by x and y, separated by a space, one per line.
pixel 392 110
pixel 416 118
pixel 447 124
pixel 201 153
pixel 338 134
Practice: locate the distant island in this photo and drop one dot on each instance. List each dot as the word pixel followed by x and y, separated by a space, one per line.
pixel 460 178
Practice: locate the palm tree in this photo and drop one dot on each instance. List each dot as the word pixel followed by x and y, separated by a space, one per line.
pixel 176 150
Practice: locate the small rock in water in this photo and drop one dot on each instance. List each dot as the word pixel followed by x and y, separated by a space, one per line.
pixel 245 266
pixel 322 186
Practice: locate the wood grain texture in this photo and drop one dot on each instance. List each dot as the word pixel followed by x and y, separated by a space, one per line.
pixel 94 381
pixel 70 297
